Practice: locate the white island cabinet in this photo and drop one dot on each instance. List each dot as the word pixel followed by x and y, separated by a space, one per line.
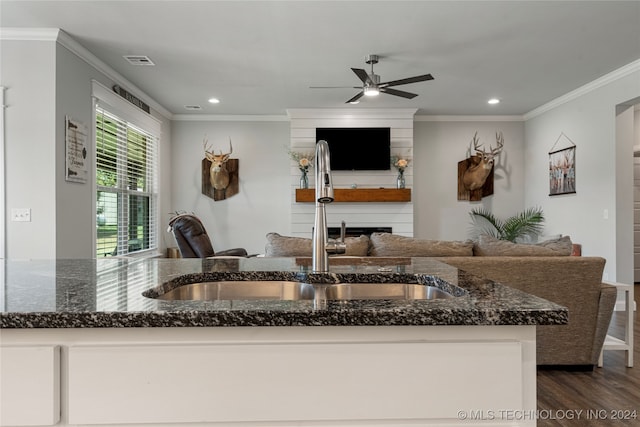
pixel 257 376
pixel 29 384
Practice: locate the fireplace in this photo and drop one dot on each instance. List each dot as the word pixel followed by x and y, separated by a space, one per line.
pixel 396 215
pixel 334 232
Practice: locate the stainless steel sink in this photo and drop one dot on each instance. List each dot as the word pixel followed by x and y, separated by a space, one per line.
pixel 241 290
pixel 394 291
pixel 296 291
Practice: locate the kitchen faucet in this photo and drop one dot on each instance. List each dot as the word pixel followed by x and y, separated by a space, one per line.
pixel 324 194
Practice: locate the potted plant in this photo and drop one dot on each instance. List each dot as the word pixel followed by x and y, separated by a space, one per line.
pixel 526 223
pixel 304 161
pixel 400 163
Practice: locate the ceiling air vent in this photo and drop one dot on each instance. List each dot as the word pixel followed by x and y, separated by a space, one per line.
pixel 193 107
pixel 138 60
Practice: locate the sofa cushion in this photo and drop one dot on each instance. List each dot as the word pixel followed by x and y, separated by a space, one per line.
pixel 387 244
pixel 357 246
pixel 287 246
pixel 490 246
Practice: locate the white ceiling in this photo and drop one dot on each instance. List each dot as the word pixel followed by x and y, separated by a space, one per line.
pixel 262 57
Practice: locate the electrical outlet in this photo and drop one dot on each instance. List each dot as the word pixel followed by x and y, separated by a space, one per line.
pixel 21 214
pixel 605 214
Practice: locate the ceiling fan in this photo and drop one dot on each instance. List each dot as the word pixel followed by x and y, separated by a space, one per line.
pixel 371 85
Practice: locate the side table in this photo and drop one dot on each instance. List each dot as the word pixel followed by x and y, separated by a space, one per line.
pixel 613 343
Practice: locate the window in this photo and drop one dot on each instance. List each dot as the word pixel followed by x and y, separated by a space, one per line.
pixel 126 190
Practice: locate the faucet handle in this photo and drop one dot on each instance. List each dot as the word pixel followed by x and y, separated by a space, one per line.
pixel 340 247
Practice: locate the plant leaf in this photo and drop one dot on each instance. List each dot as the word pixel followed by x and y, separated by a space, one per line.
pixel 528 222
pixel 486 222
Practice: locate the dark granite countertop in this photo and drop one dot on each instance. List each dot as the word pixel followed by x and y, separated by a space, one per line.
pixel 108 293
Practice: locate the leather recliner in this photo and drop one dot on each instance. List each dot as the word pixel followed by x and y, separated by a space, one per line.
pixel 193 240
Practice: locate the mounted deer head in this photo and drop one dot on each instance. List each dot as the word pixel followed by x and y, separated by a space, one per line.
pixel 218 174
pixel 476 175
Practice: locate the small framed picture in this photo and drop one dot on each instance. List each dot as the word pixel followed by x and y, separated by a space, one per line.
pixel 76 151
pixel 562 171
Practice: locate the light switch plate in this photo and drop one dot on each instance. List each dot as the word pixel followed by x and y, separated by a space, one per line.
pixel 21 214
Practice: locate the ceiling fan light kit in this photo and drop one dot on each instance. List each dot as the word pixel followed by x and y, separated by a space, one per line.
pixel 371 91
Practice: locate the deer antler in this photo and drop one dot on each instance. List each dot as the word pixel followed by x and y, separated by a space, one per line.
pixel 477 146
pixel 500 142
pixel 230 148
pixel 204 145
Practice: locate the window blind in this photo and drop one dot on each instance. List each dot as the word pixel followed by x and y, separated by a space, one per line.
pixel 126 186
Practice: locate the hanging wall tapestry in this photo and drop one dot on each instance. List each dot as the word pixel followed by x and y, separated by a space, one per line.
pixel 562 167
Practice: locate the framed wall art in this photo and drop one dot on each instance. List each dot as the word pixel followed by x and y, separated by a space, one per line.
pixel 76 151
pixel 562 169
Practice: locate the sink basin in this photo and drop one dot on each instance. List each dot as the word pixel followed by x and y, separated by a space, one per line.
pixel 394 291
pixel 297 291
pixel 241 290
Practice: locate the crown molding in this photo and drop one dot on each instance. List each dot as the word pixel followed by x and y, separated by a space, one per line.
pixel 65 40
pixel 345 113
pixel 30 34
pixel 351 113
pixel 228 118
pixel 582 90
pixel 511 118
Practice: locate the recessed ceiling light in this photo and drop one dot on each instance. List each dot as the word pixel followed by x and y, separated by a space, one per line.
pixel 214 100
pixel 354 102
pixel 493 101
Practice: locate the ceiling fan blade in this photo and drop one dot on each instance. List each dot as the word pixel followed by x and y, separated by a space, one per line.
pixel 355 98
pixel 407 80
pixel 362 75
pixel 334 87
pixel 397 92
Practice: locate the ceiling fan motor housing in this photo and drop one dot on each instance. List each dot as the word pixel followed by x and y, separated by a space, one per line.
pixel 371 59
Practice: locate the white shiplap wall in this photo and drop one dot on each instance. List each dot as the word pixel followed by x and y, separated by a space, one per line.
pixel 399 216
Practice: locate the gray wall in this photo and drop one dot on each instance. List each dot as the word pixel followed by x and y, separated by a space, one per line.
pixel 46 82
pixel 438 147
pixel 589 120
pixel 263 203
pixel 28 73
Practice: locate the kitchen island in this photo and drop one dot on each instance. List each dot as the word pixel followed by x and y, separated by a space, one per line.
pixel 82 345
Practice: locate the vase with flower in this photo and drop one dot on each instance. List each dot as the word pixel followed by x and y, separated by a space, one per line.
pixel 400 164
pixel 304 161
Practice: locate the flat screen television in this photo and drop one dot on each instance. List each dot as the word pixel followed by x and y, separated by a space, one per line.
pixel 357 148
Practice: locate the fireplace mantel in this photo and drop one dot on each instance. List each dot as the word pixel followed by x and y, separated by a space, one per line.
pixel 377 195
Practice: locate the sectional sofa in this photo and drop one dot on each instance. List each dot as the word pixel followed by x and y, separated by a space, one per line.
pixel 544 269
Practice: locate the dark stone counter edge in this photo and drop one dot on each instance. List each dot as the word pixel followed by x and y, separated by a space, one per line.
pixel 54 320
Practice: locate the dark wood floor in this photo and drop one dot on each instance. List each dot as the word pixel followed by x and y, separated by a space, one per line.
pixel 601 394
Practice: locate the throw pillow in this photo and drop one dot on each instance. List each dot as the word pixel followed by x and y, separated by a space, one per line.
pixel 287 246
pixel 357 246
pixel 490 246
pixel 387 244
